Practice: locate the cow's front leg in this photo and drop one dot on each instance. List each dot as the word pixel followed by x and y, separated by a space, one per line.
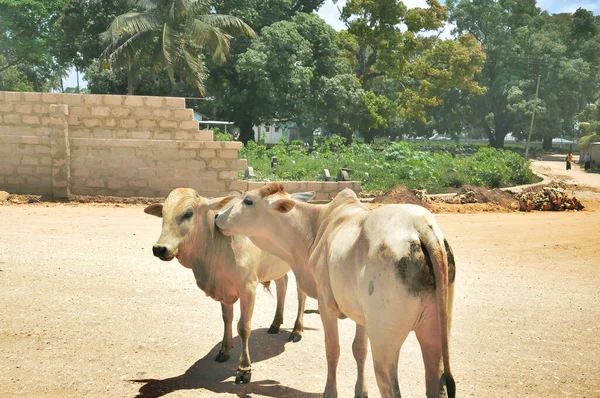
pixel 244 371
pixel 329 317
pixel 281 286
pixel 359 349
pixel 296 335
pixel 227 343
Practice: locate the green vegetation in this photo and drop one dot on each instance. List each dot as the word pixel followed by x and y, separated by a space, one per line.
pixel 381 165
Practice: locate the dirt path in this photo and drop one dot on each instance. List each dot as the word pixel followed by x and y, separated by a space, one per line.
pixel 88 312
pixel 555 166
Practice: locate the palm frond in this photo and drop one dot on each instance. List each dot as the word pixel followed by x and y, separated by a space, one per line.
pixel 132 23
pixel 211 38
pixel 171 49
pixel 196 68
pixel 228 24
pixel 121 50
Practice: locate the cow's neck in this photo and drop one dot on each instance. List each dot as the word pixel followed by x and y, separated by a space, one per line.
pixel 206 256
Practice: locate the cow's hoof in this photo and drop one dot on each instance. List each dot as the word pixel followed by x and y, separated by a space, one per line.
pixel 295 337
pixel 273 329
pixel 222 357
pixel 243 376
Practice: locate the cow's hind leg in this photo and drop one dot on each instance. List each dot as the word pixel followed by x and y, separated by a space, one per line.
pixel 386 341
pixel 244 327
pixel 296 335
pixel 359 349
pixel 281 286
pixel 227 343
pixel 428 334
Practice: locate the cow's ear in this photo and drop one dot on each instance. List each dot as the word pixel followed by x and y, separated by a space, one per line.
pixel 303 196
pixel 284 205
pixel 218 203
pixel 154 210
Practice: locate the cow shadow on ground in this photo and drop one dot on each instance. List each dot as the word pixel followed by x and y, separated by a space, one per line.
pixel 208 374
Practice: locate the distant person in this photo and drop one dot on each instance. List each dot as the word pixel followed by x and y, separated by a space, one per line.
pixel 569 159
pixel 587 161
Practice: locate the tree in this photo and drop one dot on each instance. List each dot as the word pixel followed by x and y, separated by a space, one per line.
pixel 28 40
pixel 283 74
pixel 403 72
pixel 521 43
pixel 167 35
pixel 232 100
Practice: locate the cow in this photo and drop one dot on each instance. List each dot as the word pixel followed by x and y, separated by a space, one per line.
pixel 225 268
pixel 388 269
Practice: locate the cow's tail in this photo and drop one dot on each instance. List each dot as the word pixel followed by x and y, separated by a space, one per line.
pixel 435 245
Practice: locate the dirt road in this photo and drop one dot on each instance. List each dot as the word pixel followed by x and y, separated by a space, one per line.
pixel 88 312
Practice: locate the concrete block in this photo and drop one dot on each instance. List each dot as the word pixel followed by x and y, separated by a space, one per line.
pixel 102 133
pixel 121 111
pixel 91 122
pixel 32 97
pixel 80 110
pixel 29 119
pixel 195 164
pixel 147 123
pixel 234 185
pixel 161 113
pixel 113 100
pixel 167 124
pixel 100 111
pixel 30 160
pixel 51 98
pixel 189 125
pixel 155 102
pixel 93 99
pixel 102 172
pixel 11 96
pixel 174 102
pixel 145 112
pixel 94 183
pixel 228 154
pixel 140 134
pixel 110 122
pixel 207 153
pixel 128 123
pixel 217 164
pixel 183 114
pixel 238 164
pixel 6 107
pixel 41 108
pixel 232 145
pixel 204 136
pixel 228 175
pixel 23 108
pixel 116 184
pixel 12 119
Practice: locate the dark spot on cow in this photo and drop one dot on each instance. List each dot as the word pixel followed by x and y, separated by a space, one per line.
pixel 371 288
pixel 415 270
pixel 451 262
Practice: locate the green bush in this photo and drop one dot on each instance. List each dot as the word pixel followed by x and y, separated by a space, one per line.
pixel 383 164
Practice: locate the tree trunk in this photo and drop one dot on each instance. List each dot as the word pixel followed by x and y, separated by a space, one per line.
pixel 348 136
pixel 130 81
pixel 246 132
pixel 547 144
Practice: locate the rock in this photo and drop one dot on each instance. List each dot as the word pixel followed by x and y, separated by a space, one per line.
pixel 4 196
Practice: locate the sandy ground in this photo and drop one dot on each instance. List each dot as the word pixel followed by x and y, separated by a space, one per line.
pixel 86 311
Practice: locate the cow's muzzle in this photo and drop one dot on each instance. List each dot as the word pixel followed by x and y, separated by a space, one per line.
pixel 162 252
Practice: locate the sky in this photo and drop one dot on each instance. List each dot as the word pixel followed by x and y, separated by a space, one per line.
pixel 330 13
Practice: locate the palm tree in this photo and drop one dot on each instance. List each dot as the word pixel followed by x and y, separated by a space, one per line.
pixel 168 34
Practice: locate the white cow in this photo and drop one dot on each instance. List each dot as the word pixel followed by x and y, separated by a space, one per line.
pixel 225 268
pixel 388 269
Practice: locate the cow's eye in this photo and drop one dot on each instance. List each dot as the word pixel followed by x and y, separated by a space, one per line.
pixel 248 202
pixel 188 214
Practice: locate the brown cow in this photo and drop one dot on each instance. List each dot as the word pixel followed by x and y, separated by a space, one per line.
pixel 225 268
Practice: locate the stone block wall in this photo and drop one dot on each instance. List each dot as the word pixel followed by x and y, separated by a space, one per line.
pixel 116 145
